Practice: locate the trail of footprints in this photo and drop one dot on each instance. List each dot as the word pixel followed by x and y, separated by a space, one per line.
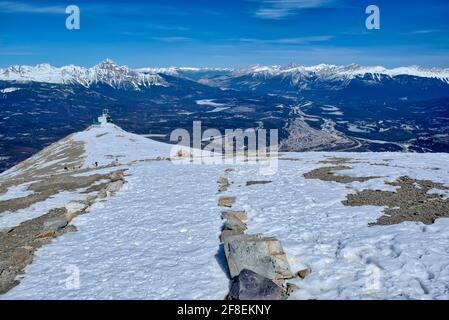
pixel 258 266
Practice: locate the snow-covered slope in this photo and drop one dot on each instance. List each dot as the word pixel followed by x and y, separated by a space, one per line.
pixel 106 72
pixel 158 238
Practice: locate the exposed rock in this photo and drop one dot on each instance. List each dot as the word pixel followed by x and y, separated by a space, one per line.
pixel 183 154
pixel 75 207
pixel 227 233
pixel 226 201
pixel 114 187
pixel 159 158
pixel 412 201
pixel 102 194
pixel 304 273
pixel 249 285
pixel 18 244
pixel 261 254
pixel 70 228
pixel 55 224
pixel 7 279
pixel 233 223
pixel 91 199
pixel 45 188
pixel 289 159
pixel 291 288
pixel 336 160
pixel 328 174
pixel 46 234
pixel 241 215
pixel 22 256
pixel 117 175
pixel 6 230
pixel 251 183
pixel 223 184
pixel 70 216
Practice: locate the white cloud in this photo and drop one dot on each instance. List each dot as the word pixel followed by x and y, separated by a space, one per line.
pixel 298 40
pixel 429 31
pixel 279 9
pixel 9 6
pixel 171 39
pixel 303 40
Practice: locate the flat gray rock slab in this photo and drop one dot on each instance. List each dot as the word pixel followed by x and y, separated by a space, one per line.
pixel 249 285
pixel 232 223
pixel 55 224
pixel 263 255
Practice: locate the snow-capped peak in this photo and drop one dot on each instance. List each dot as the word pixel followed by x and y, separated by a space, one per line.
pixel 345 72
pixel 106 72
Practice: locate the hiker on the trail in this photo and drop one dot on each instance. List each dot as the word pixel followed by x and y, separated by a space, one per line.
pixel 96 164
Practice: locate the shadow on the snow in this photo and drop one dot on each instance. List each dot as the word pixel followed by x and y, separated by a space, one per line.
pixel 221 260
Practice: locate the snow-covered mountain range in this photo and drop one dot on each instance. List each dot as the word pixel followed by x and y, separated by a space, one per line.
pixel 372 108
pixel 332 72
pixel 108 72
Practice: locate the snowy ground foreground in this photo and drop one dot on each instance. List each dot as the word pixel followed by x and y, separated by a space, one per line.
pixel 158 238
pixel 349 259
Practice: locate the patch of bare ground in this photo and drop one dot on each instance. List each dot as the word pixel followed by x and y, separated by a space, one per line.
pixel 55 169
pixel 380 164
pixel 47 187
pixel 411 201
pixel 52 170
pixel 336 160
pixel 101 135
pixel 96 187
pixel 328 174
pixel 226 201
pixel 251 183
pixel 18 244
pixel 223 184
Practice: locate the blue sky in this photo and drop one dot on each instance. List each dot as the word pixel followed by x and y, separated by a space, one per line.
pixel 225 33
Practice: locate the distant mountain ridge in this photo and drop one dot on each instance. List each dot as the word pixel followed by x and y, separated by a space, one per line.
pixel 329 71
pixel 323 107
pixel 108 72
